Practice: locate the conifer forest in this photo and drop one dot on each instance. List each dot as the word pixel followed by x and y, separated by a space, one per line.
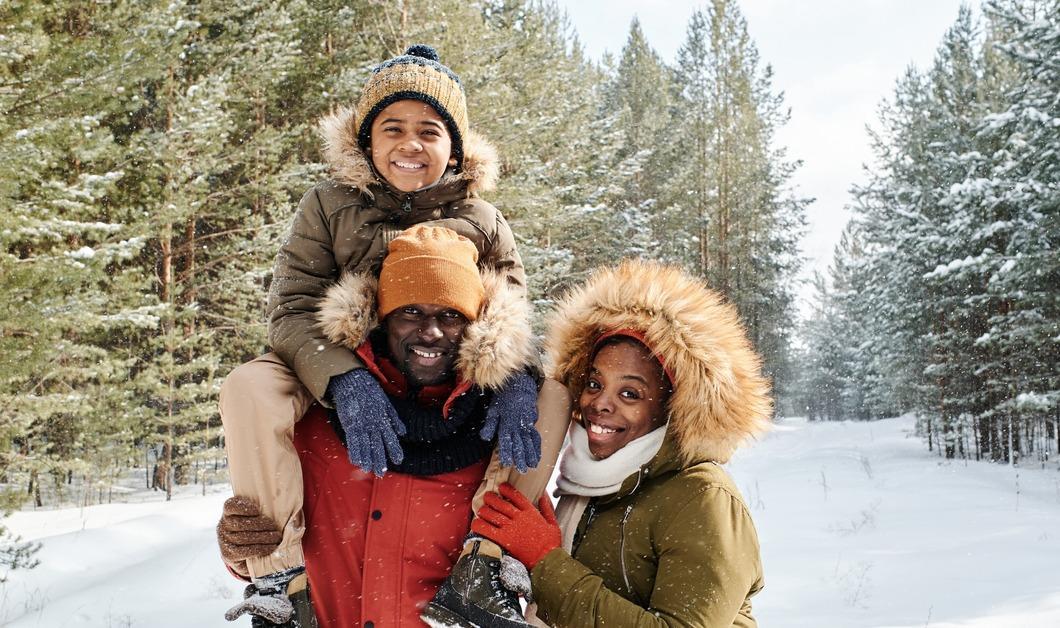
pixel 154 152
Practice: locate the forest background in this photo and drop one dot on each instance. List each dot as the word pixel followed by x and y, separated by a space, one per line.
pixel 154 152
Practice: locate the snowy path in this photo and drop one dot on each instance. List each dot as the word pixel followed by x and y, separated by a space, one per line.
pixel 860 527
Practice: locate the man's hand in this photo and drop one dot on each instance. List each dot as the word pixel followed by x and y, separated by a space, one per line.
pixel 511 416
pixel 243 532
pixel 369 420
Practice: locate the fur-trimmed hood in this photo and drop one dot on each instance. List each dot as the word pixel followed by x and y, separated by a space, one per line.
pixel 720 397
pixel 495 345
pixel 350 166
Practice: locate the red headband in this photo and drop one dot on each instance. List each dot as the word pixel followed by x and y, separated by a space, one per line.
pixel 639 337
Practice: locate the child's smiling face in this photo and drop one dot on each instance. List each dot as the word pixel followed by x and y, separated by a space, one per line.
pixel 624 397
pixel 410 145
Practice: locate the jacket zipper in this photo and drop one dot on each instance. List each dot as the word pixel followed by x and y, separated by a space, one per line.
pixel 406 205
pixel 622 549
pixel 622 541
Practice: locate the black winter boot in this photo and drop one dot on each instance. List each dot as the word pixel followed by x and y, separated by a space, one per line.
pixel 474 597
pixel 277 600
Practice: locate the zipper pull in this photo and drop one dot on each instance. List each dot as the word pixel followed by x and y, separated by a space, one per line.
pixel 406 206
pixel 592 513
pixel 578 534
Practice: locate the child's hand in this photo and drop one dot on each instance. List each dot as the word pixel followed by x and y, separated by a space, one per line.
pixel 371 423
pixel 243 532
pixel 511 416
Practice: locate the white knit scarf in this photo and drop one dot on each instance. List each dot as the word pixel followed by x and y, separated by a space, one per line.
pixel 581 473
pixel 582 476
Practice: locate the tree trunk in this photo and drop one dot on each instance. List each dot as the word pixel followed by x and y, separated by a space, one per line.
pixel 169 455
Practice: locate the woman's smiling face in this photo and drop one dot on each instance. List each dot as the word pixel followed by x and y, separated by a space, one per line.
pixel 624 396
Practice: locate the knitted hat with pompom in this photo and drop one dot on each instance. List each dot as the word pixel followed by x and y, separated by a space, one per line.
pixel 415 75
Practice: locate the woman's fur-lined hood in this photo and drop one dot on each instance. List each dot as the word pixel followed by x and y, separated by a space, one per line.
pixel 495 345
pixel 720 397
pixel 350 166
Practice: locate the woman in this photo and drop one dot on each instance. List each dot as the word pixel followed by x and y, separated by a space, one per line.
pixel 651 530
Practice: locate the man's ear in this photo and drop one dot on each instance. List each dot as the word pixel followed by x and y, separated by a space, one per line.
pixel 452 161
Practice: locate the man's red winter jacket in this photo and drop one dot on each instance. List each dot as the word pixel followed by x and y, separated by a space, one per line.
pixel 376 549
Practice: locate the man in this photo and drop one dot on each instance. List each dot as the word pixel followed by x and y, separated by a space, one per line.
pixel 378 547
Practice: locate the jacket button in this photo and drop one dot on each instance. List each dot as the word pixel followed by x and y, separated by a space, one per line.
pixel 369 624
pixel 377 515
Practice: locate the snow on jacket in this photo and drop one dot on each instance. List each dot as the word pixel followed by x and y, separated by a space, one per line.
pixel 675 546
pixel 344 225
pixel 377 549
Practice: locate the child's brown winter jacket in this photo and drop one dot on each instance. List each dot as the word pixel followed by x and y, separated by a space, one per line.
pixel 345 224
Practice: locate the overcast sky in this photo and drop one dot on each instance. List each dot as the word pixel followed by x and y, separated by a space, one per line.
pixel 835 60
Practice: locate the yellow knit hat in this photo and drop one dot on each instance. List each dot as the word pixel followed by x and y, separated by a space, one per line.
pixel 415 75
pixel 431 265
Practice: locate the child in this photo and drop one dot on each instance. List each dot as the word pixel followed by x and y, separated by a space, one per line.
pixel 405 155
pixel 650 530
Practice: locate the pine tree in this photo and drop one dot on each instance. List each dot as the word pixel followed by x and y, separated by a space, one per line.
pixel 729 213
pixel 64 243
pixel 961 200
pixel 1013 188
pixel 638 103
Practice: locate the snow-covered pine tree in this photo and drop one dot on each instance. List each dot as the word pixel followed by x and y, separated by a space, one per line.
pixel 952 390
pixel 66 246
pixel 819 389
pixel 224 153
pixel 532 92
pixel 638 103
pixel 958 225
pixel 837 353
pixel 729 213
pixel 900 220
pixel 1014 188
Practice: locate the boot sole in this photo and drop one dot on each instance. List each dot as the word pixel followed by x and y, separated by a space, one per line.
pixel 437 616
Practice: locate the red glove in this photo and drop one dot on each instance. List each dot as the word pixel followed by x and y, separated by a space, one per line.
pixel 511 521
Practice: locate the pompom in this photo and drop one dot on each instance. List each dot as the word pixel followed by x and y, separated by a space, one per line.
pixel 422 50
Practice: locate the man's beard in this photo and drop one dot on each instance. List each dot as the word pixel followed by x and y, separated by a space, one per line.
pixel 418 376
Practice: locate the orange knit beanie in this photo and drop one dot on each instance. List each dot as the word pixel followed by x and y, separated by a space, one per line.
pixel 431 265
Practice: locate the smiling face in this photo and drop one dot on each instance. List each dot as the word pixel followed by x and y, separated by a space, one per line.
pixel 624 397
pixel 423 340
pixel 410 145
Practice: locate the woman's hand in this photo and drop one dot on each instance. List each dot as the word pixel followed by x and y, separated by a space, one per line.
pixel 511 521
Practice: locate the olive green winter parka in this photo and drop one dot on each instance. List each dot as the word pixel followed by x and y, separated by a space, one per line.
pixel 675 546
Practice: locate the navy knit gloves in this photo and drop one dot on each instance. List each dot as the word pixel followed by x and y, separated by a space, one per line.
pixel 511 416
pixel 371 423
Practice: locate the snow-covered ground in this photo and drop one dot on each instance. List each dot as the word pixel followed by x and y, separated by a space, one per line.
pixel 860 527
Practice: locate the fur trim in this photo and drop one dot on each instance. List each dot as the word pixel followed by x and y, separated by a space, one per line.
pixel 350 166
pixel 720 397
pixel 481 164
pixel 496 345
pixel 499 342
pixel 347 311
